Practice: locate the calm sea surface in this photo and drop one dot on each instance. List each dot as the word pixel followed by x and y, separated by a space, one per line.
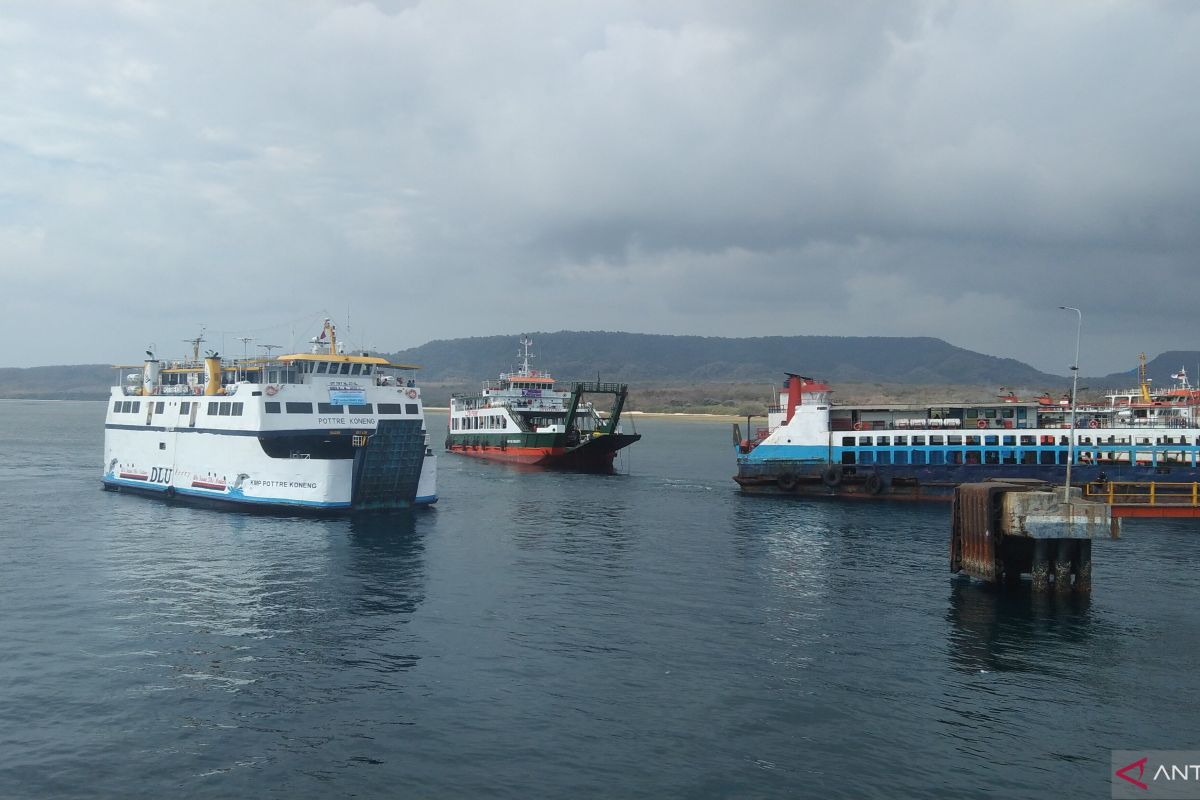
pixel 649 634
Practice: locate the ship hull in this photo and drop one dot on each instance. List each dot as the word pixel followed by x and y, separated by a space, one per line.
pixel 884 482
pixel 544 450
pixel 310 471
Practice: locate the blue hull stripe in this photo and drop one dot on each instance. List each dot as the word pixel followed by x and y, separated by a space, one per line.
pixel 786 452
pixel 159 488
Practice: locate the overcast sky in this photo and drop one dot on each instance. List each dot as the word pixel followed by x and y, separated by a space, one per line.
pixel 451 169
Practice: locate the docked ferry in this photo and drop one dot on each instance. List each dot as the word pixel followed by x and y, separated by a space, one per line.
pixel 524 418
pixel 324 431
pixel 922 451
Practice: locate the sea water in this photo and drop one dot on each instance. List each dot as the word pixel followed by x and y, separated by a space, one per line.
pixel 539 634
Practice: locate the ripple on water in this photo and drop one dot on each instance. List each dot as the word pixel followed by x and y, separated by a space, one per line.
pixel 650 634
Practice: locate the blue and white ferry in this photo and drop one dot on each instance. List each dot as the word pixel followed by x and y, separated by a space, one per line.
pixel 324 431
pixel 922 451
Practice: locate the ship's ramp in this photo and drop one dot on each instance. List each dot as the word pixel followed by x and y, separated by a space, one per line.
pixel 388 468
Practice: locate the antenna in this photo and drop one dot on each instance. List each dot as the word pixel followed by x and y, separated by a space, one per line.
pixel 269 348
pixel 196 342
pixel 526 343
pixel 245 340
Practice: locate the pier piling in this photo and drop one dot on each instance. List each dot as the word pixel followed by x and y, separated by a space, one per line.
pixel 1002 530
pixel 1040 568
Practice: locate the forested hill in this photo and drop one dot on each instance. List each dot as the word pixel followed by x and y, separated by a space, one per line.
pixel 1159 369
pixel 79 382
pixel 646 358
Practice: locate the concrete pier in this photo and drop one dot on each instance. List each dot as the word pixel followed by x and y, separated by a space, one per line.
pixel 1002 530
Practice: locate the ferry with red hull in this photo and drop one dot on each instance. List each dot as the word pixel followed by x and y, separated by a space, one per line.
pixel 523 418
pixel 811 447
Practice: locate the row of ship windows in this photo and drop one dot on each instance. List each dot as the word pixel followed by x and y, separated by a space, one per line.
pixel 1043 457
pixel 231 409
pixel 327 408
pixel 1002 441
pixel 326 368
pixel 479 423
pixel 956 457
pixel 215 409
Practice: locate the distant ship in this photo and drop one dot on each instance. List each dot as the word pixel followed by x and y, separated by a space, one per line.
pixel 323 431
pixel 522 418
pixel 811 447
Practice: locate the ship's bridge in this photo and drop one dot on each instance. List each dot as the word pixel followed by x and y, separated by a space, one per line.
pixel 329 365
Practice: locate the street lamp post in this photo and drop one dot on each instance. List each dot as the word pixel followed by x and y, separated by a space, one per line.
pixel 1074 388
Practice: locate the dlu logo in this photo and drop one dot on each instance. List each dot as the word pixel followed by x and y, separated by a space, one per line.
pixel 1156 774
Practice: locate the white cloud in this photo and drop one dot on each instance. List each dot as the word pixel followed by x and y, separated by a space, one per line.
pixel 908 168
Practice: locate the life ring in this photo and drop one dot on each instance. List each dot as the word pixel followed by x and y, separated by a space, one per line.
pixel 832 475
pixel 786 481
pixel 1094 423
pixel 858 426
pixel 411 394
pixel 272 390
pixel 981 424
pixel 873 484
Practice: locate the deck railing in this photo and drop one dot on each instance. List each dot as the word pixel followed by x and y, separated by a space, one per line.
pixel 1144 493
pixel 600 388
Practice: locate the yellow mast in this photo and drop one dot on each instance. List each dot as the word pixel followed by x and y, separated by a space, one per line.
pixel 1142 384
pixel 332 337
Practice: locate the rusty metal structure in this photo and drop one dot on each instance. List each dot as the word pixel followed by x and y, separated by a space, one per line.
pixel 1002 530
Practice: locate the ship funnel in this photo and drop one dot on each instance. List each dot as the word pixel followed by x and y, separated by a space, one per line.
pixel 212 375
pixel 150 375
pixel 807 393
pixel 794 385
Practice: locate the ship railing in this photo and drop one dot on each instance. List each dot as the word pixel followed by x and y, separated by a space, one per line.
pixel 177 390
pixel 392 380
pixel 598 387
pixel 1144 493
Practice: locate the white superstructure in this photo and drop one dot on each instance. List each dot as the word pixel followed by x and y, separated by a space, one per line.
pixel 320 431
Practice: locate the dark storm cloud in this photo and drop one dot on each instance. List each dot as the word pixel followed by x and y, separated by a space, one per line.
pixel 927 168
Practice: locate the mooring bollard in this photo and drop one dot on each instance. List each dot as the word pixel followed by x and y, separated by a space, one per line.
pixel 1002 529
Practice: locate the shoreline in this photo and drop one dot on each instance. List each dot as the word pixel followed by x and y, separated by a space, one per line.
pixel 699 417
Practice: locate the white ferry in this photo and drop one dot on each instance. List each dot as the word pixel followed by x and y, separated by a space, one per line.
pixel 324 431
pixel 524 418
pixel 813 447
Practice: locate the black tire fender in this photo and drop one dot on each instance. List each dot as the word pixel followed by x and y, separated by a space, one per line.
pixel 786 482
pixel 873 484
pixel 832 476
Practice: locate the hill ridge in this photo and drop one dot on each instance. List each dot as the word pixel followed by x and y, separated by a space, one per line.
pixel 675 359
pixel 640 357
